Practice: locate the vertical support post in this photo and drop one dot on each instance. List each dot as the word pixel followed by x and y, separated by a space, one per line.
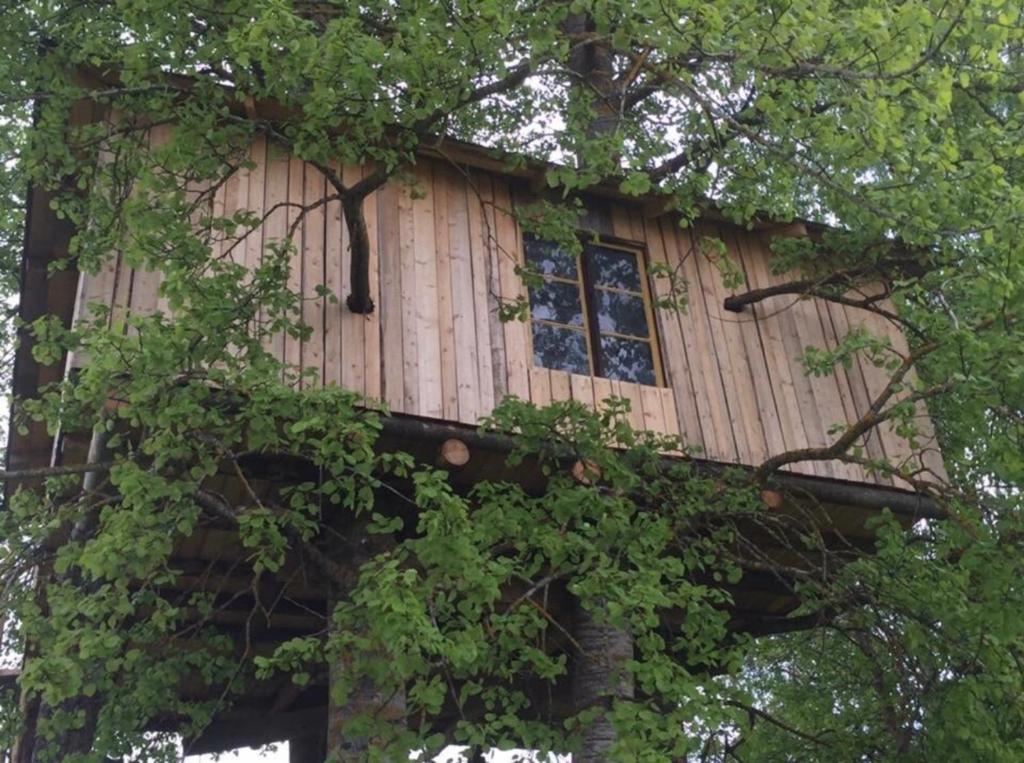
pixel 33 747
pixel 600 676
pixel 342 744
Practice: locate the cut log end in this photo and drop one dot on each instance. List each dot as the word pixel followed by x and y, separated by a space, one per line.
pixel 585 472
pixel 453 453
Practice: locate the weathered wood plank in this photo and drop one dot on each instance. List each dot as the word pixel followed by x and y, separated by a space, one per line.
pixel 335 281
pixel 488 288
pixel 826 401
pixel 445 306
pixel 846 395
pixel 353 342
pixel 561 386
pixel 677 365
pixel 371 323
pixel 313 239
pixel 296 185
pixel 275 227
pixel 744 326
pixel 510 257
pixel 778 364
pixel 631 392
pixel 732 361
pixel 391 305
pixel 872 442
pixel 407 296
pixel 467 327
pixel 720 442
pixel 425 298
pixel 540 386
pixel 793 349
pixel 602 391
pixel 253 245
pixel 582 389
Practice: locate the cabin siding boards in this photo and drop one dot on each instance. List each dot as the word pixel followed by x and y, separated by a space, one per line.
pixel 445 248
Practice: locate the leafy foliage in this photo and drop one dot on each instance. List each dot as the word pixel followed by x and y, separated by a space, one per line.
pixel 898 124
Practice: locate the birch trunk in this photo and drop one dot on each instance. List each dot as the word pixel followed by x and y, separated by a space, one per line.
pixel 600 677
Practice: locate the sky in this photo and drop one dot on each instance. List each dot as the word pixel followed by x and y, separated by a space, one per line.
pixel 279 754
pixel 274 754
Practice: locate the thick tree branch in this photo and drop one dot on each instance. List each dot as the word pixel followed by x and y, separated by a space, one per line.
pixel 874 416
pixel 43 472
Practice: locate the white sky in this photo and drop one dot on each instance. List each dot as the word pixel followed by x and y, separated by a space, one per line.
pixel 279 754
pixel 275 754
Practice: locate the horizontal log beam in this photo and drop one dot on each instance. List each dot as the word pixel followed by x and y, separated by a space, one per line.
pixel 903 503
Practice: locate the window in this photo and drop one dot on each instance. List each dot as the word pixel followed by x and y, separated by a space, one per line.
pixel 592 313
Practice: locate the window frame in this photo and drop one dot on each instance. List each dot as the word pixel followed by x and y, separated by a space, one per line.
pixel 587 287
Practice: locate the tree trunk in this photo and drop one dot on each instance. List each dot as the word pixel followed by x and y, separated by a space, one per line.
pixel 600 676
pixel 342 745
pixel 594 68
pixel 79 740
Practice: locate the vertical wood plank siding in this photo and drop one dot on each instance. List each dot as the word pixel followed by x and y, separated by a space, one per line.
pixel 444 254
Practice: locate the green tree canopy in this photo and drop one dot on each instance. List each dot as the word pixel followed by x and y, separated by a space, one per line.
pixel 899 125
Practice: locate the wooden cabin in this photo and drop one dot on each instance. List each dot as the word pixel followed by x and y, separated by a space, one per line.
pixel 444 256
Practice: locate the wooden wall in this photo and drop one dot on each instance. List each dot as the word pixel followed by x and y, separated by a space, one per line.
pixel 444 253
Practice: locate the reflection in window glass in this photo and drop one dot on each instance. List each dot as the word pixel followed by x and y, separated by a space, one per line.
pixel 549 259
pixel 620 313
pixel 626 360
pixel 557 301
pixel 560 348
pixel 614 267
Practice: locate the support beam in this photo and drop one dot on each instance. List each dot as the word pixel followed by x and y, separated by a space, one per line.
pixel 902 503
pixel 453 453
pixel 600 676
pixel 365 698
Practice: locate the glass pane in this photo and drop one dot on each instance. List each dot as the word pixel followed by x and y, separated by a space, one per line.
pixel 557 301
pixel 620 313
pixel 613 267
pixel 560 348
pixel 548 258
pixel 627 360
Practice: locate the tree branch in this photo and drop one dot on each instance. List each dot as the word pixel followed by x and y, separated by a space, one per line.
pixel 54 471
pixel 871 418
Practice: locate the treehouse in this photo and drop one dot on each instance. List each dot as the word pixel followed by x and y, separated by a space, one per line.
pixel 445 253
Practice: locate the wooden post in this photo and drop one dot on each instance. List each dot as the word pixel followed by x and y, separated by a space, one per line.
pixel 599 677
pixel 33 747
pixel 342 745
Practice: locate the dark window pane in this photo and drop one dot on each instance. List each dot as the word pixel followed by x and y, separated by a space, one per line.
pixel 612 267
pixel 620 313
pixel 548 258
pixel 557 301
pixel 627 360
pixel 560 348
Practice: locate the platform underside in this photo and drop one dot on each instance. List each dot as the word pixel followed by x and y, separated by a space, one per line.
pixel 293 602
